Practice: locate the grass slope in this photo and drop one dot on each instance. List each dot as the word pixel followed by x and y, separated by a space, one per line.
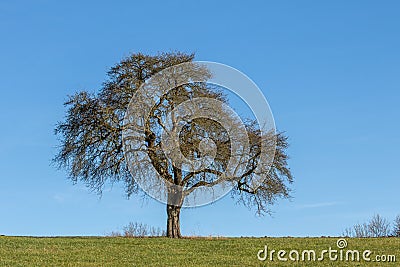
pixel 117 251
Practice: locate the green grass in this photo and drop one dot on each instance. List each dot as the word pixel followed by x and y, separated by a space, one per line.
pixel 119 251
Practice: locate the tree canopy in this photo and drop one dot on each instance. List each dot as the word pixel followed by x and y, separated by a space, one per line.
pixel 92 147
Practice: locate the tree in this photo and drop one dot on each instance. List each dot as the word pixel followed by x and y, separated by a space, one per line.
pixel 94 151
pixel 396 226
pixel 376 227
pixel 379 226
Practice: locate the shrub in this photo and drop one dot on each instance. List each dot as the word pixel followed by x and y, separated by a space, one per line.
pixel 376 227
pixel 396 226
pixel 136 229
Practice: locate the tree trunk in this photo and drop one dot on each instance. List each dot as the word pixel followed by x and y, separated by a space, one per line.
pixel 173 224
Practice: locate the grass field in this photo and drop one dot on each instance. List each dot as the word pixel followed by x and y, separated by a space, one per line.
pixel 119 251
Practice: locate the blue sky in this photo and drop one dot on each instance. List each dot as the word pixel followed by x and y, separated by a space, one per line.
pixel 329 69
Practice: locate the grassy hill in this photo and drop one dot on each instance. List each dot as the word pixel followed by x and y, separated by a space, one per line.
pixel 119 251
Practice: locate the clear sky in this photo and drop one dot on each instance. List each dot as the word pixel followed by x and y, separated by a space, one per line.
pixel 329 69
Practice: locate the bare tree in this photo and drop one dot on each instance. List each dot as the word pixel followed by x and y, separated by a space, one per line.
pixel 141 230
pixel 376 227
pixel 362 230
pixel 137 229
pixel 94 151
pixel 379 226
pixel 396 226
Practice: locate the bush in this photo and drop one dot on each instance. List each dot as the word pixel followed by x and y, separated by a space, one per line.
pixel 379 226
pixel 376 227
pixel 396 226
pixel 135 229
